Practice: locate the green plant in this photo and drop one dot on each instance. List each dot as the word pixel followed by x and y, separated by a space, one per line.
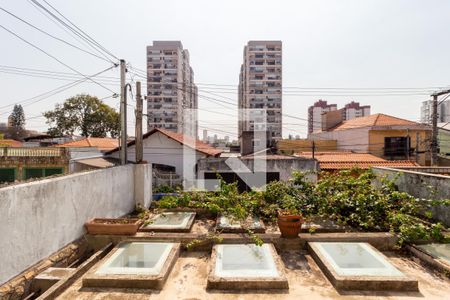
pixel 164 189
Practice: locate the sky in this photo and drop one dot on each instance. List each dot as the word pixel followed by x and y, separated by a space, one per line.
pixel 340 51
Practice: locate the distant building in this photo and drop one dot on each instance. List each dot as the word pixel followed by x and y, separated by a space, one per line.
pixel 384 136
pixel 205 136
pixel 260 84
pixel 19 163
pixel 427 111
pixel 336 161
pixel 355 110
pixel 315 114
pixel 321 114
pixel 170 88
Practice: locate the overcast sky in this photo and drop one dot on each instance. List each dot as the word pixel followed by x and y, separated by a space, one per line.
pixel 326 44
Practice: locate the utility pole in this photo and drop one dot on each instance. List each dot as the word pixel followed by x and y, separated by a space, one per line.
pixel 434 135
pixel 123 114
pixel 313 149
pixel 417 146
pixel 139 144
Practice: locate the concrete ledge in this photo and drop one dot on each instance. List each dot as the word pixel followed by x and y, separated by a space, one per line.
pixel 58 288
pixel 429 260
pixel 383 241
pixel 372 283
pixel 244 283
pixel 133 281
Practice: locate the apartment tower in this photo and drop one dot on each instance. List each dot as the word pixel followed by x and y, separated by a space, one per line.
pixel 170 88
pixel 315 114
pixel 260 83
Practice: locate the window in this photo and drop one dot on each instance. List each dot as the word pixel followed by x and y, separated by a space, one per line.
pixel 396 146
pixel 40 172
pixel 7 174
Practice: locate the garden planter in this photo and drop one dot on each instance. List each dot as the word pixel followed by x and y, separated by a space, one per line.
pixel 121 226
pixel 289 224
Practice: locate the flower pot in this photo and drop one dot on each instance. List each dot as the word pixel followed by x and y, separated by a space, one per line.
pixel 289 224
pixel 121 226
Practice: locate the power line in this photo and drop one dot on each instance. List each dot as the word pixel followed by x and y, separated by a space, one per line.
pixel 52 36
pixel 50 93
pixel 50 55
pixel 86 36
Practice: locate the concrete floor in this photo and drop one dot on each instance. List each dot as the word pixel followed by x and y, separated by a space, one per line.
pixel 188 281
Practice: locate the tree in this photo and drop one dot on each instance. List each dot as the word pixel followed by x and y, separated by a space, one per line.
pixel 84 114
pixel 17 117
pixel 16 123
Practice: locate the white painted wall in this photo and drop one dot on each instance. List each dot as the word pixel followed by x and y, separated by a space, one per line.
pixel 356 140
pixel 38 218
pixel 159 149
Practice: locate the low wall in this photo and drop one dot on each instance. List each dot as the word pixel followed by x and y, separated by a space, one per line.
pixel 41 217
pixel 422 185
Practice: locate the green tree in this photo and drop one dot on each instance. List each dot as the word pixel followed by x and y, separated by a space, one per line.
pixel 85 114
pixel 17 117
pixel 16 122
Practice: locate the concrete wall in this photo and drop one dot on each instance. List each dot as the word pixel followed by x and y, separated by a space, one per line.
pixel 356 140
pixel 284 167
pixel 40 217
pixel 422 185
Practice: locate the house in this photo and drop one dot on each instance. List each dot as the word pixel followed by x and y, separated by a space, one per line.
pixel 277 167
pixel 382 135
pixel 10 143
pixel 87 153
pixel 102 144
pixel 166 150
pixel 22 163
pixel 335 161
pixel 305 145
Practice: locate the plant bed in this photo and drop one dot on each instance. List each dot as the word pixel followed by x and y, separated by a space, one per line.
pixel 158 196
pixel 110 226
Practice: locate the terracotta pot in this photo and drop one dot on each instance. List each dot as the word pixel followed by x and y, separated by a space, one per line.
pixel 289 225
pixel 121 226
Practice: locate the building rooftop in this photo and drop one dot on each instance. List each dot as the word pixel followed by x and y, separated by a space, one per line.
pixel 182 139
pixel 348 160
pixel 10 143
pixel 375 120
pixel 103 144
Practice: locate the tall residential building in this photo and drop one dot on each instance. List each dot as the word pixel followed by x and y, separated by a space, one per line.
pixel 260 83
pixel 322 114
pixel 170 88
pixel 355 110
pixel 427 111
pixel 315 114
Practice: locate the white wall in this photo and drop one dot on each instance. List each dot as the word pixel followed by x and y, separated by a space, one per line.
pixel 356 140
pixel 159 149
pixel 38 218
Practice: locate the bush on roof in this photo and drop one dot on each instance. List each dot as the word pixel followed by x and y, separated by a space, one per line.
pixel 349 197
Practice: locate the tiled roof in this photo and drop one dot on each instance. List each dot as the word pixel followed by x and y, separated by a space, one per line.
pixel 103 144
pixel 348 160
pixel 374 120
pixel 189 141
pixel 180 138
pixel 10 143
pixel 271 157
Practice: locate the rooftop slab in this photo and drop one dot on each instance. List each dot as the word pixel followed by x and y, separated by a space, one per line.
pixel 141 265
pixel 189 275
pixel 359 266
pixel 246 266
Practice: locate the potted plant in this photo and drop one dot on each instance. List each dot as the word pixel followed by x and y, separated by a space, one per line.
pixel 289 219
pixel 109 226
